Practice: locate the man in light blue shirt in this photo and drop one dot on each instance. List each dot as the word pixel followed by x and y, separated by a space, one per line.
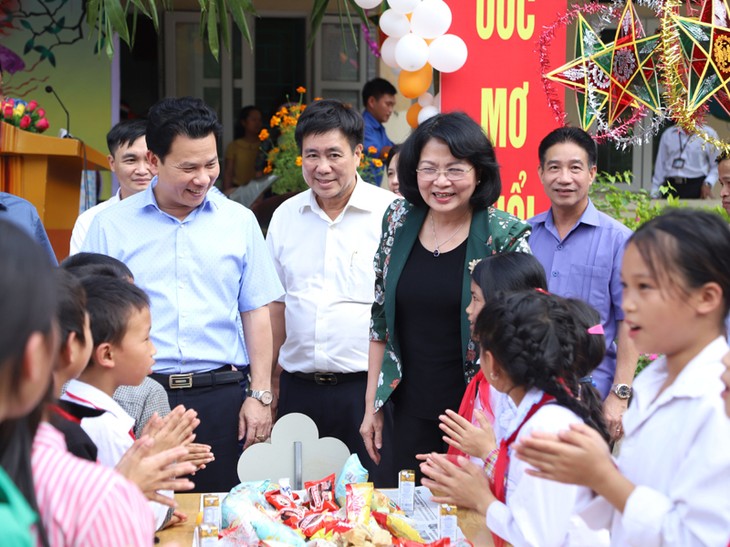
pixel 203 262
pixel 581 250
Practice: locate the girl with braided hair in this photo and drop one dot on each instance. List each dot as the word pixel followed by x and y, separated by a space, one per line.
pixel 530 342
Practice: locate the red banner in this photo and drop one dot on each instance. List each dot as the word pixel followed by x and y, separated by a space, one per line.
pixel 500 87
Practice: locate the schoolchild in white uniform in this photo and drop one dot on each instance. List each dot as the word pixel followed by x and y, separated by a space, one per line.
pixel 529 345
pixel 671 481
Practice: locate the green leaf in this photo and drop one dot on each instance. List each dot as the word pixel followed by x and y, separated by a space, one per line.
pixel 225 31
pixel 28 46
pixel 51 58
pixel 26 24
pixel 117 20
pixel 238 12
pixel 209 20
pixel 318 12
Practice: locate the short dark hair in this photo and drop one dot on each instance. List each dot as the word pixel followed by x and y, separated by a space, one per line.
pixel 125 132
pixel 172 117
pixel 328 115
pixel 684 249
pixel 509 272
pixel 110 302
pixel 723 155
pixel 466 141
pixel 71 312
pixel 569 134
pixel 393 152
pixel 377 87
pixel 86 264
pixel 238 131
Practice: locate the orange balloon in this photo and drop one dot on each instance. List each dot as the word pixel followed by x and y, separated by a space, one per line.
pixel 412 114
pixel 416 83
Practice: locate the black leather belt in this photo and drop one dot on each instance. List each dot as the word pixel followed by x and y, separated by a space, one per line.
pixel 330 378
pixel 222 375
pixel 685 180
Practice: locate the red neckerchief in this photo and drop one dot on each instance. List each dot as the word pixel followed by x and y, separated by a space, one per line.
pixel 63 414
pixel 500 467
pixel 92 405
pixel 477 386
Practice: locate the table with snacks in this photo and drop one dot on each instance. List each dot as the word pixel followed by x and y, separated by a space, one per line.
pixel 471 524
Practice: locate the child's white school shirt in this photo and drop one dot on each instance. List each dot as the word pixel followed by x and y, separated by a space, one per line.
pixel 676 450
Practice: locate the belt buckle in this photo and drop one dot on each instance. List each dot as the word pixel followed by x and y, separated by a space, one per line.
pixel 325 378
pixel 180 381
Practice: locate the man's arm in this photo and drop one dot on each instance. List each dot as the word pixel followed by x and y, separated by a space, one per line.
pixel 278 330
pixel 626 360
pixel 254 422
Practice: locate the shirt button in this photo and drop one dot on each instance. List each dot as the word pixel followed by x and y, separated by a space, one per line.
pixel 560 247
pixel 555 274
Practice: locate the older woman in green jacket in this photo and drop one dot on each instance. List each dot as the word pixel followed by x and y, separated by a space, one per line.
pixel 421 355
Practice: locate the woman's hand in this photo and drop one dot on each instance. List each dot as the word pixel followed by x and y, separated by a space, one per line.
pixel 371 431
pixel 462 483
pixel 465 436
pixel 199 455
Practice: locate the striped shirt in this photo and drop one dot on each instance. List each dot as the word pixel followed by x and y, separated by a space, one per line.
pixel 84 503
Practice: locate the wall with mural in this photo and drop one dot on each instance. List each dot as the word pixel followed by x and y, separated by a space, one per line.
pixel 47 43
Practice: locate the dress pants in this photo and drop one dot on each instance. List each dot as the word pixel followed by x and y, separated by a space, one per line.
pixel 338 411
pixel 413 435
pixel 218 408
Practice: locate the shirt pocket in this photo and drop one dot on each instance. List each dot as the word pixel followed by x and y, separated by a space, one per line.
pixel 360 286
pixel 591 284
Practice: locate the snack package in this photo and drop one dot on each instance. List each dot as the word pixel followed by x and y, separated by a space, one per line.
pixel 246 492
pixel 321 494
pixel 352 472
pixel 383 504
pixel 358 500
pixel 279 501
pixel 240 534
pixel 399 526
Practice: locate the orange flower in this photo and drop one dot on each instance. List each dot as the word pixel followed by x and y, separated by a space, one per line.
pixel 298 161
pixel 288 120
pixel 263 135
pixel 275 150
pixel 372 150
pixel 283 111
pixel 275 121
pixel 318 98
pixel 301 90
pixel 377 163
pixel 268 169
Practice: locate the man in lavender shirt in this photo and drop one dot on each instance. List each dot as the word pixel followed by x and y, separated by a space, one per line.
pixel 581 250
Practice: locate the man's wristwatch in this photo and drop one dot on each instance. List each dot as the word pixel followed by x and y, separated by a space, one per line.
pixel 264 396
pixel 622 391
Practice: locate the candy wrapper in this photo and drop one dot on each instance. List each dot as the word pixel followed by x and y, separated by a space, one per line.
pixel 383 504
pixel 240 534
pixel 321 494
pixel 358 501
pixel 352 472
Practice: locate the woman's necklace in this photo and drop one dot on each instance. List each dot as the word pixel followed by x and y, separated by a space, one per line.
pixel 437 251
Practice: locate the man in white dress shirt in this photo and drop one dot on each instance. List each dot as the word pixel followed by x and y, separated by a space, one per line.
pixel 322 242
pixel 128 161
pixel 686 162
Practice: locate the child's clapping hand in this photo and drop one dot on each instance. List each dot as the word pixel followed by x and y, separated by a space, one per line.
pixel 477 441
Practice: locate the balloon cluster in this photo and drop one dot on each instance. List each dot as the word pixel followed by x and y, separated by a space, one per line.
pixel 416 44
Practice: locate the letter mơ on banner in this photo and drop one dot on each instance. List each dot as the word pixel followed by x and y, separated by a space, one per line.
pixel 500 87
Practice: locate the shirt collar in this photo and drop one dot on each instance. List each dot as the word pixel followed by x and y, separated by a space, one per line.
pixel 694 380
pixel 91 396
pixel 148 199
pixel 358 199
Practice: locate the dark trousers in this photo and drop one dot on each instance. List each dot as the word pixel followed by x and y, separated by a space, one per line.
pixel 218 408
pixel 338 411
pixel 689 189
pixel 413 435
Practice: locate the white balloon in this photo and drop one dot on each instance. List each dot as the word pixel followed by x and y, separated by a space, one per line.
pixel 368 4
pixel 426 99
pixel 426 113
pixel 394 24
pixel 411 53
pixel 431 18
pixel 447 53
pixel 387 51
pixel 437 101
pixel 403 6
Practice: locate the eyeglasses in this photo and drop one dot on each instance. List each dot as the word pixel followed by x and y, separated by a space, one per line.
pixel 453 174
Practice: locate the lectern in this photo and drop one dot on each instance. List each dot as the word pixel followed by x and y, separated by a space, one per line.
pixel 47 172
